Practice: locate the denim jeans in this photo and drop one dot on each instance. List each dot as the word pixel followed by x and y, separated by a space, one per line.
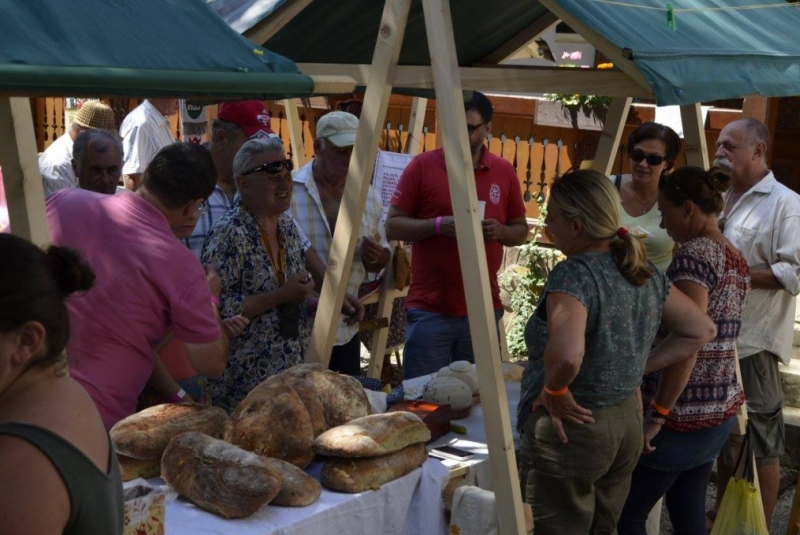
pixel 435 340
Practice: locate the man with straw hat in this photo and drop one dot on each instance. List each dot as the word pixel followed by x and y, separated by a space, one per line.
pixel 55 163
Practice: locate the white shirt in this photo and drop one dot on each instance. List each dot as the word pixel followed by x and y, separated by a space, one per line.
pixel 144 132
pixel 309 214
pixel 764 225
pixel 55 165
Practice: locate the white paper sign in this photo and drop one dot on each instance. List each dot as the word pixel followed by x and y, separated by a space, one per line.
pixel 388 168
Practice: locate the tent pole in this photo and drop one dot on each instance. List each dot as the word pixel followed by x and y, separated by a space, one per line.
pixel 295 133
pixel 418 107
pixel 472 254
pixel 611 134
pixel 362 161
pixel 23 183
pixel 694 135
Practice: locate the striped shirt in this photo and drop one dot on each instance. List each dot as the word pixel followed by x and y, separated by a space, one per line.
pixel 310 216
pixel 144 132
pixel 218 204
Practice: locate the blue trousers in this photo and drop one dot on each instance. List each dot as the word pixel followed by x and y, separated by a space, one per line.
pixel 435 340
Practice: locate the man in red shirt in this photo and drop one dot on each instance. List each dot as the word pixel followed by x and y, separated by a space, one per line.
pixel 437 332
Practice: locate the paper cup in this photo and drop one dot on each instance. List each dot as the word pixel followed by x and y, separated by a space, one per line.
pixel 481 209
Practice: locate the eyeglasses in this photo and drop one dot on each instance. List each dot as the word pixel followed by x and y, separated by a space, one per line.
pixel 637 155
pixel 272 168
pixel 203 209
pixel 472 127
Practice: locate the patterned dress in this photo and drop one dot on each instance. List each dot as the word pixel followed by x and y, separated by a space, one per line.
pixel 235 250
pixel 712 394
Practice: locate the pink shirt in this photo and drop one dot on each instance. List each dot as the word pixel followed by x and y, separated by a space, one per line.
pixel 146 282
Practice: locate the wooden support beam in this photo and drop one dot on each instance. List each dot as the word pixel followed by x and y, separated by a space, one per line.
pixel 333 84
pixel 381 336
pixel 611 135
pixel 756 107
pixel 23 183
pixel 299 157
pixel 620 58
pixel 472 254
pixel 418 108
pixel 609 82
pixel 513 45
pixel 346 234
pixel 267 28
pixel 694 135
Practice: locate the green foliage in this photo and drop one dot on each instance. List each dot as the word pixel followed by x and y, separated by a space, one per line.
pixel 579 101
pixel 535 263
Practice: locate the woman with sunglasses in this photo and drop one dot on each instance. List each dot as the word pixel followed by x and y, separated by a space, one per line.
pixel 692 403
pixel 58 470
pixel 579 420
pixel 263 261
pixel 652 149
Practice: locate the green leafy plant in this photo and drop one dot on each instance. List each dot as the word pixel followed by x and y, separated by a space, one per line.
pixel 526 283
pixel 575 100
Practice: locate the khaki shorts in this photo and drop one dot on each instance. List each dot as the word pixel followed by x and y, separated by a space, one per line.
pixel 761 381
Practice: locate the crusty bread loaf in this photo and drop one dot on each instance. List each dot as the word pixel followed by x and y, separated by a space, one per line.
pixel 311 401
pixel 358 475
pixel 372 436
pixel 342 396
pixel 144 435
pixel 272 421
pixel 301 370
pixel 218 476
pixel 130 468
pixel 299 489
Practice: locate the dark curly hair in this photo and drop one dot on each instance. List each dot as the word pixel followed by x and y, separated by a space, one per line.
pixel 704 188
pixel 34 285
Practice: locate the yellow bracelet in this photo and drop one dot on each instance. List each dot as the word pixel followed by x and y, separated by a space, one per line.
pixel 559 392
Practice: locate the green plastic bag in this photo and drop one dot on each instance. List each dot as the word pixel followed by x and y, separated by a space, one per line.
pixel 741 511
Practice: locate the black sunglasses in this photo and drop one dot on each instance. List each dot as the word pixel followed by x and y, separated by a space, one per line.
pixel 637 155
pixel 272 168
pixel 472 127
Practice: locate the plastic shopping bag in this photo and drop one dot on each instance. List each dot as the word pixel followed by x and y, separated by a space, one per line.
pixel 741 511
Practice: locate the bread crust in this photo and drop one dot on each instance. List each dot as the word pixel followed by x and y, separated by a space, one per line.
pixel 373 436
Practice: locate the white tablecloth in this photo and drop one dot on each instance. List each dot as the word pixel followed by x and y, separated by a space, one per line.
pixel 410 505
pixel 478 470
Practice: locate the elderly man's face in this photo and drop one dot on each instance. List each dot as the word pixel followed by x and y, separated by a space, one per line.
pixel 101 168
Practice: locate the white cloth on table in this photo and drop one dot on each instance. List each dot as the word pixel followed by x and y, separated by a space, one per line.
pixel 410 505
pixel 474 511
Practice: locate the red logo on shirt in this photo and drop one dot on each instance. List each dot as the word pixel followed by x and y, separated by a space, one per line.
pixel 494 194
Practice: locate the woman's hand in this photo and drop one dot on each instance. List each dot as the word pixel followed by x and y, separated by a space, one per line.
pixel 298 288
pixel 651 429
pixel 560 408
pixel 235 326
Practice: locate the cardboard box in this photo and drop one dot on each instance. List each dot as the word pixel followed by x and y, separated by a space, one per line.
pixel 436 417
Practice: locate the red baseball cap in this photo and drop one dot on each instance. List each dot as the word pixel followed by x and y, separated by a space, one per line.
pixel 251 116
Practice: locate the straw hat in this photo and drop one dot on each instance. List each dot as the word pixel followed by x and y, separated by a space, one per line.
pixel 95 114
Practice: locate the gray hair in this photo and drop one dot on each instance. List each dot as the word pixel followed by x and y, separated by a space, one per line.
pixel 245 158
pixel 755 132
pixel 105 139
pixel 230 129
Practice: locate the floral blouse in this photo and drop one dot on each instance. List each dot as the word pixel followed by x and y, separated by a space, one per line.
pixel 712 394
pixel 235 250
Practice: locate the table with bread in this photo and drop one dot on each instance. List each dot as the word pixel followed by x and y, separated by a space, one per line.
pixel 300 454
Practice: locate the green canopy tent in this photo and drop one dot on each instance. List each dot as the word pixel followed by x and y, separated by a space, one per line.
pixel 718 49
pixel 142 48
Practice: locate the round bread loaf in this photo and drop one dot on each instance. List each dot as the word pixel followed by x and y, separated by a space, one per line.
pixel 448 391
pixel 299 489
pixel 461 369
pixel 272 421
pixel 144 435
pixel 342 396
pixel 218 476
pixel 358 475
